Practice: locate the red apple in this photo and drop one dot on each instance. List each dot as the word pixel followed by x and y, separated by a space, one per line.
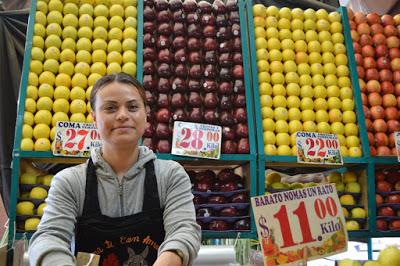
pixel 371 138
pixel 363 28
pixel 393 126
pixel 378 199
pixel 386 211
pixel 368 124
pixel 374 99
pixel 391 113
pixel 395 64
pixel 194 44
pixel 378 39
pixel 387 87
pixel 366 40
pixel 390 30
pixel 369 62
pixel 394 53
pixel 211 116
pixel 356 47
pixel 379 125
pixel 218 225
pixel 389 100
pixel 392 42
pixel 372 151
pixel 396 77
pixel 229 146
pixel 228 133
pixel 164 16
pixel 373 86
pixel 179 29
pixel 359 17
pixel 376 28
pixel 371 74
pixel 377 112
pixel 383 151
pixel 359 59
pixel 381 50
pixel 163 146
pixel 379 176
pixel 381 225
pixel 383 186
pixel 381 139
pixel 149 83
pixel 179 115
pixel 373 18
pixel 391 140
pixel 383 63
pixel 394 225
pixel 395 198
pixel 368 51
pixel 243 146
pixel 163 131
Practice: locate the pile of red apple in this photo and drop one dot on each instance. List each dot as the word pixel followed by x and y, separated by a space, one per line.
pixel 388 199
pixel 221 200
pixel 376 47
pixel 193 71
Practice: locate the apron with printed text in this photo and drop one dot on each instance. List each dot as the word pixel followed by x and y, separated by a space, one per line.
pixel 129 240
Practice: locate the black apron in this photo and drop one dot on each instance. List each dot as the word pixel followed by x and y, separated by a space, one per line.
pixel 129 240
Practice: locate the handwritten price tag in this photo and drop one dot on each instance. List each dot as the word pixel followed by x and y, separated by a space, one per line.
pixel 301 224
pixel 75 139
pixel 397 142
pixel 318 148
pixel 196 140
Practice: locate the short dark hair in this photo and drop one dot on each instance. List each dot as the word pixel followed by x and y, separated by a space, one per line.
pixel 117 77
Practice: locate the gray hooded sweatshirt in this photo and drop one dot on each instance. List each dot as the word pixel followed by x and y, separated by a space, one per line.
pixel 51 243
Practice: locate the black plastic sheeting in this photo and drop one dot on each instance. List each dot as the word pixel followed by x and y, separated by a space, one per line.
pixel 13 26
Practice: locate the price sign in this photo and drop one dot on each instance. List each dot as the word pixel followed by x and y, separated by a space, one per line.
pixel 301 224
pixel 397 142
pixel 196 140
pixel 75 139
pixel 318 148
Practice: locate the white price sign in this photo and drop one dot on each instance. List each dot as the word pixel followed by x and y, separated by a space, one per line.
pixel 196 140
pixel 397 142
pixel 318 148
pixel 299 225
pixel 75 139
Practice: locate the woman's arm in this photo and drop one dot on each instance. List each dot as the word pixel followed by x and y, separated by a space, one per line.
pixel 181 230
pixel 51 243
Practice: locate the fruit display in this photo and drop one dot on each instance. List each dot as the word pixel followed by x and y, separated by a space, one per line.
pixel 351 191
pixel 193 71
pixel 303 78
pixel 74 44
pixel 387 189
pixel 33 189
pixel 376 50
pixel 389 256
pixel 221 199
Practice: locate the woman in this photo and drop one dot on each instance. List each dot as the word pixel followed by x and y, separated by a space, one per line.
pixel 123 203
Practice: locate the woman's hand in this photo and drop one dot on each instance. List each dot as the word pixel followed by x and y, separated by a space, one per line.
pixel 168 258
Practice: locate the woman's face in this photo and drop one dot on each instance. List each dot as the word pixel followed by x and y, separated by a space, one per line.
pixel 119 115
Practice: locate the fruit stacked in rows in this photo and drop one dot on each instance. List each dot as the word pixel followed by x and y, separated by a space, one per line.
pixel 387 199
pixel 303 77
pixel 33 192
pixel 376 47
pixel 74 44
pixel 350 195
pixel 193 70
pixel 221 200
pixel 389 256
